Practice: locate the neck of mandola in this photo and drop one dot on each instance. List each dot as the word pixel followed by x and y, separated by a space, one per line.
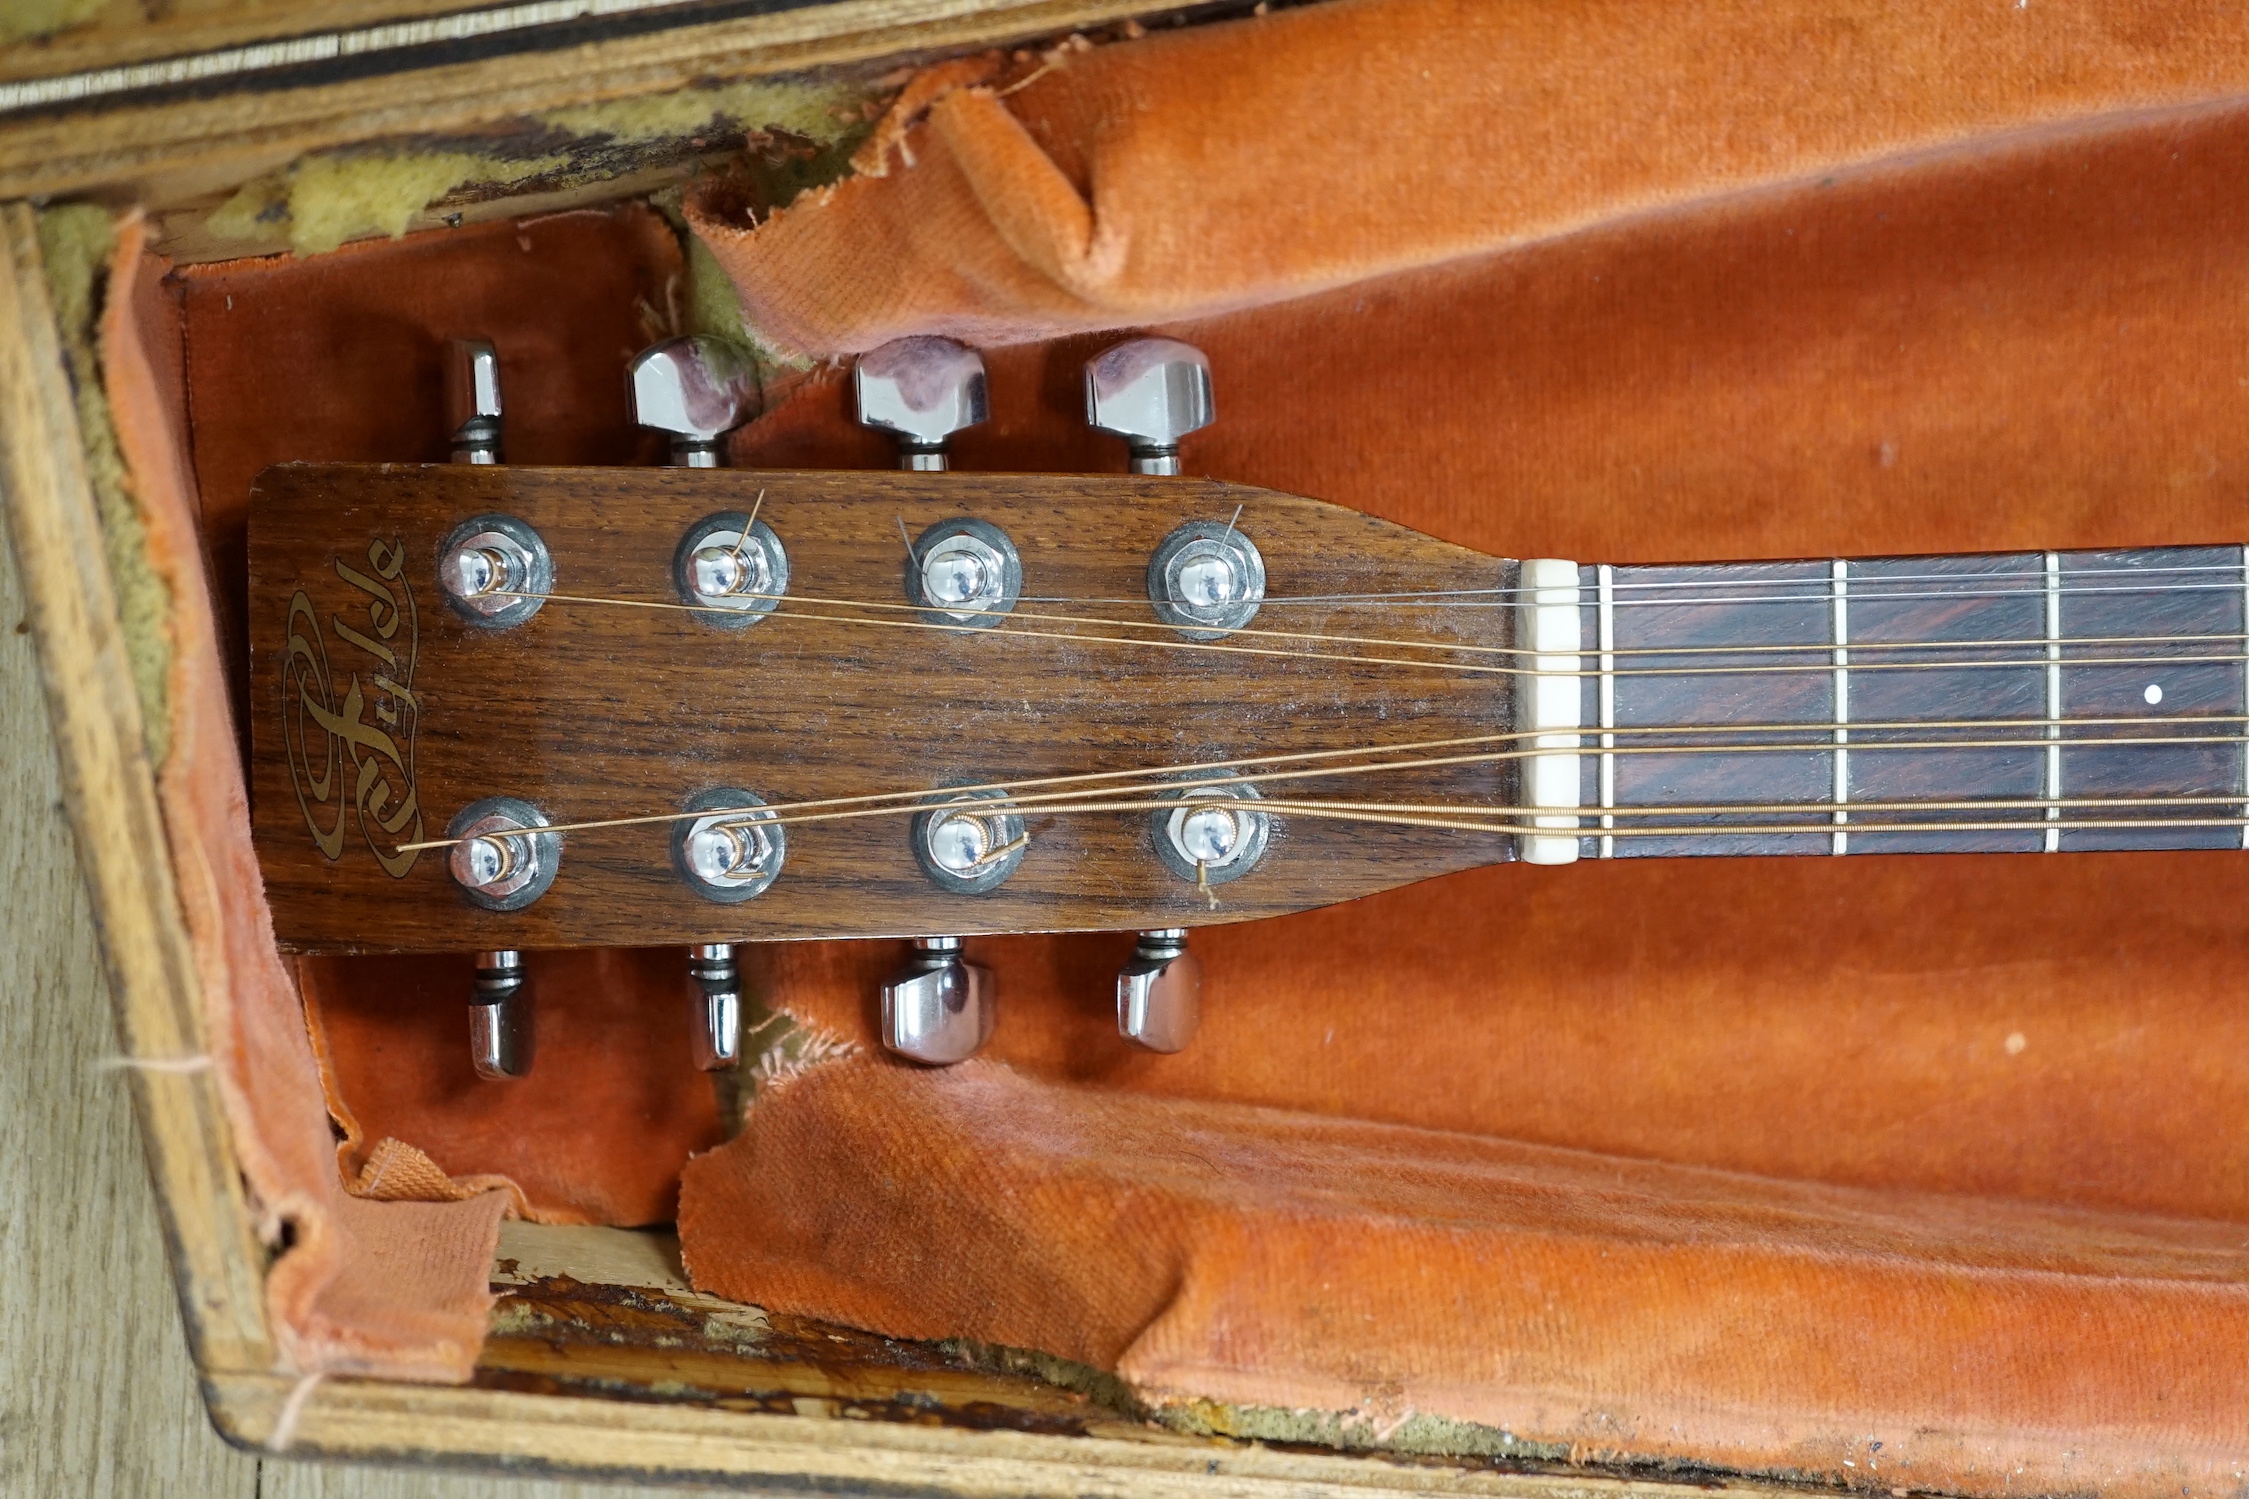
pixel 2018 702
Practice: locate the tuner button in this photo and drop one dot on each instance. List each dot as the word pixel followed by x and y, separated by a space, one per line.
pixel 696 390
pixel 964 572
pixel 718 1006
pixel 1151 392
pixel 492 570
pixel 1206 578
pixel 1212 838
pixel 499 1017
pixel 733 854
pixel 967 851
pixel 922 391
pixel 501 860
pixel 1160 992
pixel 938 1009
pixel 472 399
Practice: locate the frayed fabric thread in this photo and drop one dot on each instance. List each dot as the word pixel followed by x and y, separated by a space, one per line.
pixel 292 1410
pixel 154 1064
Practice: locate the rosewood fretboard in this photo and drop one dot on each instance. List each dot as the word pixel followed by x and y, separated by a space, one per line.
pixel 2061 692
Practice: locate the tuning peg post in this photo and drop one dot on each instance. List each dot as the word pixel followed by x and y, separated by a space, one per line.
pixel 938 1009
pixel 499 1018
pixel 472 399
pixel 696 390
pixel 718 988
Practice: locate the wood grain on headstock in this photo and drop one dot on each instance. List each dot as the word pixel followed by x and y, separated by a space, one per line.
pixel 594 712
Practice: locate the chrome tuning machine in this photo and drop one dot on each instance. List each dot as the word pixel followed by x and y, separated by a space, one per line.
pixel 939 1008
pixel 482 565
pixel 729 853
pixel 1151 392
pixel 694 391
pixel 1160 992
pixel 472 399
pixel 718 1003
pixel 733 567
pixel 492 569
pixel 1206 578
pixel 921 391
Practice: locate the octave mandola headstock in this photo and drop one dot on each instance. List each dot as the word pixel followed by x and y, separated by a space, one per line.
pixel 586 690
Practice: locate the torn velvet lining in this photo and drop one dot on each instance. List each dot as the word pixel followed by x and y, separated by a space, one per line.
pixel 1218 168
pixel 396 1289
pixel 1217 1252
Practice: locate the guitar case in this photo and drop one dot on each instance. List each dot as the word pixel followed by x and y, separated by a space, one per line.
pixel 1916 1173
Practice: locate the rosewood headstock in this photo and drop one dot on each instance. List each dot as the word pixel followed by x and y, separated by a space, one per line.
pixel 381 712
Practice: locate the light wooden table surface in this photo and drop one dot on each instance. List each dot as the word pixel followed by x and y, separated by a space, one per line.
pixel 96 1393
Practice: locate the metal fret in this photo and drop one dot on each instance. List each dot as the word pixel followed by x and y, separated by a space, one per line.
pixel 2245 695
pixel 1840 587
pixel 2053 780
pixel 1605 586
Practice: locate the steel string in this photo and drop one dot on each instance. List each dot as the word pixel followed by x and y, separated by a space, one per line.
pixel 1790 668
pixel 920 798
pixel 1868 589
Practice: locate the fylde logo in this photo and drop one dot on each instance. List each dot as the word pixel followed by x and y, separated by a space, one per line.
pixel 352 756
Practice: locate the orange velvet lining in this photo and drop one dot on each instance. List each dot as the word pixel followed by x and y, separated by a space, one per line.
pixel 398 1289
pixel 596 1134
pixel 1232 166
pixel 1216 1252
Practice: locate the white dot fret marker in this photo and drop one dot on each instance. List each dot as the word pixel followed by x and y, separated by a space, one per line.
pixel 2154 693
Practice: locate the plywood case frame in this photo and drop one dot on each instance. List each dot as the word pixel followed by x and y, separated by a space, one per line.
pixel 159 153
pixel 111 789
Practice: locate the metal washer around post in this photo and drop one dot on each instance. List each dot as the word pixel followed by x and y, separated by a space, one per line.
pixel 498 814
pixel 1206 538
pixel 1006 829
pixel 721 799
pixel 740 613
pixel 984 538
pixel 1256 834
pixel 539 564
